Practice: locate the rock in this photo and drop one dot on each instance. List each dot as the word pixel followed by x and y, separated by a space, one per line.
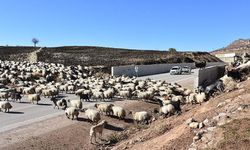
pixel 206 122
pixel 194 125
pixel 192 149
pixel 211 128
pixel 228 100
pixel 222 114
pixel 200 133
pixel 189 121
pixel 241 90
pixel 201 125
pixel 221 104
pixel 196 138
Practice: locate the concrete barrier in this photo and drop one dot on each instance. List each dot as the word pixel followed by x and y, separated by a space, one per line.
pixel 208 75
pixel 144 70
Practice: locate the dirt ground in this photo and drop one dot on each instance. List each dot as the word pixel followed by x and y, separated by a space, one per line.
pixel 230 132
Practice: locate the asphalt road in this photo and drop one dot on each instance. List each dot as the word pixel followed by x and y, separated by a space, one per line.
pixel 186 80
pixel 25 113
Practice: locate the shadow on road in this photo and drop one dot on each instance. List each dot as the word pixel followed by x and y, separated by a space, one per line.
pixel 24 102
pixel 83 119
pixel 111 127
pixel 16 112
pixel 42 104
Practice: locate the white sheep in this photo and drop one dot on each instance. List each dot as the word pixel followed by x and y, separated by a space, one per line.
pixel 200 97
pixel 34 97
pixel 98 95
pixel 140 117
pixel 6 106
pixel 75 103
pixel 92 115
pixel 104 108
pixel 167 110
pixel 72 112
pixel 118 112
pixel 96 129
pixel 109 94
pixel 125 94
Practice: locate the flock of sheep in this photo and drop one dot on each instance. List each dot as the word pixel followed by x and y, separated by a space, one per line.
pixel 38 80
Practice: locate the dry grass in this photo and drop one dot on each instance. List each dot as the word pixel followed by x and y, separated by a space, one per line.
pixel 236 135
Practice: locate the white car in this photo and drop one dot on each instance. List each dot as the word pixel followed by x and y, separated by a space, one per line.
pixel 175 70
pixel 186 70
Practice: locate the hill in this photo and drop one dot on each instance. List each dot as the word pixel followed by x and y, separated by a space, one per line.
pixel 237 46
pixel 96 56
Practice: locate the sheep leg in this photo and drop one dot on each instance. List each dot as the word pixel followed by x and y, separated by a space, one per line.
pixel 67 115
pixel 90 139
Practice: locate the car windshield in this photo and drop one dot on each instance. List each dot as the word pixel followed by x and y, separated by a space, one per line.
pixel 175 68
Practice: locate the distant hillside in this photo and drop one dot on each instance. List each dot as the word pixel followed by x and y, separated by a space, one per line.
pixel 237 46
pixel 104 56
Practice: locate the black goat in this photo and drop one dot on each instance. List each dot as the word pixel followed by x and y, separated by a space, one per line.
pixel 84 97
pixel 16 96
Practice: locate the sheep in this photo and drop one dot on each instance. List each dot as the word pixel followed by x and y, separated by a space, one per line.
pixel 229 83
pixel 16 96
pixel 166 110
pixel 109 94
pixel 4 95
pixel 29 90
pixel 79 91
pixel 71 88
pixel 191 98
pixel 118 112
pixel 104 108
pixel 140 117
pixel 187 92
pixel 46 93
pixel 96 129
pixel 98 95
pixel 177 98
pixel 145 95
pixel 72 112
pixel 34 97
pixel 59 103
pixel 75 103
pixel 93 115
pixel 6 106
pixel 125 94
pixel 200 97
pixel 84 97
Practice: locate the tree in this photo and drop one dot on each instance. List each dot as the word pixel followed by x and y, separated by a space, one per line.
pixel 35 41
pixel 172 50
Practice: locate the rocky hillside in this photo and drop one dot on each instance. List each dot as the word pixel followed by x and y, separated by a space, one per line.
pixel 104 56
pixel 237 46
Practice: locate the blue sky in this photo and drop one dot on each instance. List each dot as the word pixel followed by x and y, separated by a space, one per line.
pixel 142 24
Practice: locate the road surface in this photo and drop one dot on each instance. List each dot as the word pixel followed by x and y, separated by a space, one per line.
pixel 186 80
